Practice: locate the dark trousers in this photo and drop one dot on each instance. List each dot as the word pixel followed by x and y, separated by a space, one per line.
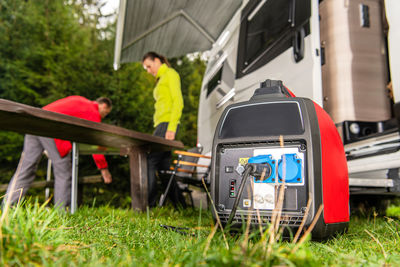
pixel 157 161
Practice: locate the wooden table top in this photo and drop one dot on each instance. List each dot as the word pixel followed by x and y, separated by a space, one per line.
pixel 30 120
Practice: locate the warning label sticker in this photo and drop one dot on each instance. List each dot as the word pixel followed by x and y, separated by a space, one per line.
pixel 264 196
pixel 243 161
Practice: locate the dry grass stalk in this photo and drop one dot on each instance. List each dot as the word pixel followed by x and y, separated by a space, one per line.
pixel 279 234
pixel 282 188
pixel 276 213
pixel 216 213
pixel 377 241
pixel 259 222
pixel 296 237
pixel 309 229
pixel 263 235
pixel 8 201
pixel 263 174
pixel 209 238
pixel 257 210
pixel 246 236
pixel 271 232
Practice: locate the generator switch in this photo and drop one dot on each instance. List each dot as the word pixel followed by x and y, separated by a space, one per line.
pixel 229 169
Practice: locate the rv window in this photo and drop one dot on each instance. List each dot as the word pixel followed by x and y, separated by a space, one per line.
pixel 270 22
pixel 266 30
pixel 214 81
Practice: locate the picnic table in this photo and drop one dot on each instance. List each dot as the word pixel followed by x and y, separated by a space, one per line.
pixel 26 119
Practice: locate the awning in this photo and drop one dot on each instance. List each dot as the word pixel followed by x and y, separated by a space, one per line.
pixel 169 27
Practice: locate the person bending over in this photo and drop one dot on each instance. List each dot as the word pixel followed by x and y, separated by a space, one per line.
pixel 58 151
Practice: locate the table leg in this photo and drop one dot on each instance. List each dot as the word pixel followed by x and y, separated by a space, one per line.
pixel 74 183
pixel 138 172
pixel 48 178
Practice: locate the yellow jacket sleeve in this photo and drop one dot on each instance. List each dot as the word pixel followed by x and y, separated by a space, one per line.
pixel 177 100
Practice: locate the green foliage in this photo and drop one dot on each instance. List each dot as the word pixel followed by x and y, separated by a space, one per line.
pixel 40 45
pixel 393 211
pixel 53 48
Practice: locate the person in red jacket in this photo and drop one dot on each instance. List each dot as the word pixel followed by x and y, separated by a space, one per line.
pixel 58 151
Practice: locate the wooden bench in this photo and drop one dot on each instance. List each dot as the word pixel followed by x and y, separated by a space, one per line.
pixel 30 120
pixel 188 170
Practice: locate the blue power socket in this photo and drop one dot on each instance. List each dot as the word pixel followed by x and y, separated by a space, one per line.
pixel 293 167
pixel 267 165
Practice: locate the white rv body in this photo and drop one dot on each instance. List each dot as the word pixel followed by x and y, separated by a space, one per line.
pixel 304 79
pixel 255 40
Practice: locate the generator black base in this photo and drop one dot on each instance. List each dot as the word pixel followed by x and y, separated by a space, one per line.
pixel 291 142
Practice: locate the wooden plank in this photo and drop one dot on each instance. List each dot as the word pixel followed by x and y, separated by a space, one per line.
pixel 93 179
pixel 29 120
pixel 191 154
pixel 187 163
pixel 182 170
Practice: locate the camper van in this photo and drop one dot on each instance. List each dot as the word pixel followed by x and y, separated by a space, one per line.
pixel 342 54
pixel 335 52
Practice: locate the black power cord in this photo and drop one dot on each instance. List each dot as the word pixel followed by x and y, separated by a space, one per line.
pixel 249 169
pixel 254 169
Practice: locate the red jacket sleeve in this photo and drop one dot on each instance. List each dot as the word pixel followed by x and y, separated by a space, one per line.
pixel 80 107
pixel 100 161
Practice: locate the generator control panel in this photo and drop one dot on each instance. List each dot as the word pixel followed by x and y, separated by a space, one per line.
pixel 275 166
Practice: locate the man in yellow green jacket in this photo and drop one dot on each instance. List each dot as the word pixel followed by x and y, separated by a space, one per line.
pixel 168 110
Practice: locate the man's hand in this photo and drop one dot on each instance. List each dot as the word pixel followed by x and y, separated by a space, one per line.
pixel 106 176
pixel 170 135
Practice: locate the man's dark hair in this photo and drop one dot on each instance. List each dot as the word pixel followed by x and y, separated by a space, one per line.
pixel 104 100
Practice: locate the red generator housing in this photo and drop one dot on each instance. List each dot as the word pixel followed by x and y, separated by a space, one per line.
pixel 296 144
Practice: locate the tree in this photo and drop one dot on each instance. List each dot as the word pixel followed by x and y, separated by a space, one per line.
pixel 50 49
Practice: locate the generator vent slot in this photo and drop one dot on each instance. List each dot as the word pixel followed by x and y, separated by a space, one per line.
pixel 285 220
pixel 260 143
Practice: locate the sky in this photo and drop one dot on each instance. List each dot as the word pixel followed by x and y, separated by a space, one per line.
pixel 110 6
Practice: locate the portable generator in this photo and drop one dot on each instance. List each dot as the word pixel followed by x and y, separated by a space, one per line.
pixel 278 140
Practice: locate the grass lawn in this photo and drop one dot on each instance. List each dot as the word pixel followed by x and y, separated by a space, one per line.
pixel 35 235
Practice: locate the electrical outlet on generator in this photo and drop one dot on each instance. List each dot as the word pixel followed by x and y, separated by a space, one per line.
pixel 266 168
pixel 290 169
